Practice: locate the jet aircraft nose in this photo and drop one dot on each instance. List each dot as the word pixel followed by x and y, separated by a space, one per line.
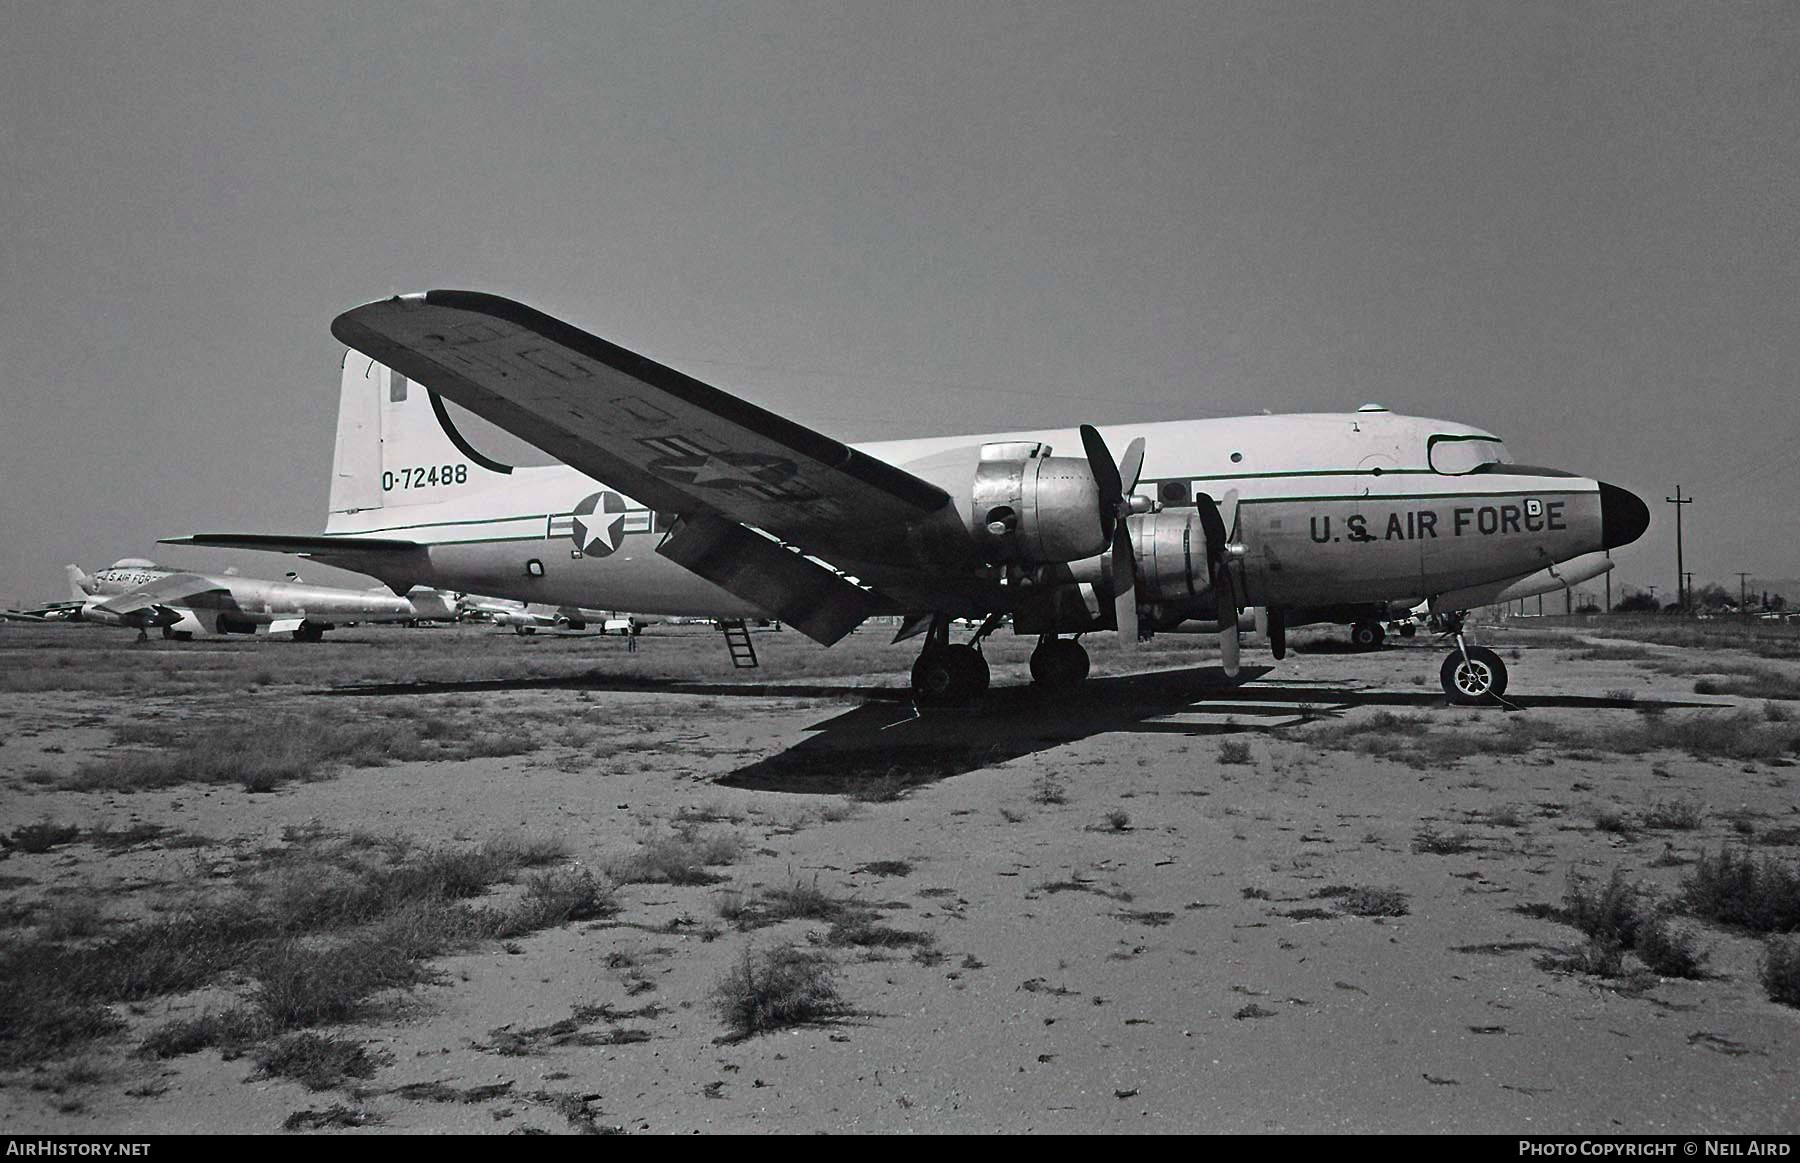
pixel 1623 516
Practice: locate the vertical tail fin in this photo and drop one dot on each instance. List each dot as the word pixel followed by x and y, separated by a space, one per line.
pixel 78 583
pixel 397 446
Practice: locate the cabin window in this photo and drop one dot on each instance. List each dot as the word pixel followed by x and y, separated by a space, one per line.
pixel 396 388
pixel 1455 455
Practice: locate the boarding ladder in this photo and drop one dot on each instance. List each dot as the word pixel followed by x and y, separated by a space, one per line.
pixel 737 639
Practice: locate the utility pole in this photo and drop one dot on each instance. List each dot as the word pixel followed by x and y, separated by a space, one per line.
pixel 1679 501
pixel 1743 599
pixel 1687 603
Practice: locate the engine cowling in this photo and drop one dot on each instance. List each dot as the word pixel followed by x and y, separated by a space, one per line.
pixel 1171 556
pixel 1172 580
pixel 1031 507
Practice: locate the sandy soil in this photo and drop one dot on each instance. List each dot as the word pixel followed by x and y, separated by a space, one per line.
pixel 1096 975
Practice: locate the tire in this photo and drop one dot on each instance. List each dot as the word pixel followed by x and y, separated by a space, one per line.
pixel 941 678
pixel 1367 635
pixel 973 670
pixel 1480 679
pixel 1058 664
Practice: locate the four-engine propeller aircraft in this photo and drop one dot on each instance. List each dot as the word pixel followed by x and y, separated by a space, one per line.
pixel 712 505
pixel 144 596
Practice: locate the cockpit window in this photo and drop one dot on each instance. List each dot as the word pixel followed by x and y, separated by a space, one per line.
pixel 1456 455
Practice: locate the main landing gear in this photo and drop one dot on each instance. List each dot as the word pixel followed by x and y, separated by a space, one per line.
pixel 1058 662
pixel 950 674
pixel 946 674
pixel 1470 674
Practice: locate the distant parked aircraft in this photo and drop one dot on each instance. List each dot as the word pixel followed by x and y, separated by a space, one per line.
pixel 144 596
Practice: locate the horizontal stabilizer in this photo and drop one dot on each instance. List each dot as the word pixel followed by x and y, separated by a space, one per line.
pixel 398 563
pixel 305 546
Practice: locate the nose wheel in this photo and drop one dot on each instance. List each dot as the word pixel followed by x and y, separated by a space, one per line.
pixel 1471 674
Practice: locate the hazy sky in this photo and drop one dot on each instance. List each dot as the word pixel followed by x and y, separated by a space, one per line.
pixel 1571 223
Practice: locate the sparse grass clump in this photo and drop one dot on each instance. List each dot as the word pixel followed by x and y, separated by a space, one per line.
pixel 683 858
pixel 1615 821
pixel 558 897
pixel 1235 752
pixel 261 755
pixel 1758 682
pixel 1428 841
pixel 318 1062
pixel 1364 901
pixel 1733 888
pixel 803 900
pixel 1048 790
pixel 1620 917
pixel 1674 816
pixel 1780 970
pixel 1118 820
pixel 300 986
pixel 323 924
pixel 42 836
pixel 1669 952
pixel 775 989
pixel 231 1031
pixel 1612 913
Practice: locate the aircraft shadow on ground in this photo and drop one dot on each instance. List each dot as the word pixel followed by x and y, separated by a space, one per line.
pixel 877 749
pixel 885 744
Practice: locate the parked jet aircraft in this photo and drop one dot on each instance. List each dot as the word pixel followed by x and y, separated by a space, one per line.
pixel 713 505
pixel 145 596
pixel 529 617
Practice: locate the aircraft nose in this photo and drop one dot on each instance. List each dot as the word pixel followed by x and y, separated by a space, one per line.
pixel 1623 516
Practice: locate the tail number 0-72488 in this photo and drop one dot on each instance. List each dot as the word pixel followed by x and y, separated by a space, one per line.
pixel 423 478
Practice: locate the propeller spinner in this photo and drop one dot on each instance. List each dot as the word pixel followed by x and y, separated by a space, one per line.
pixel 1115 485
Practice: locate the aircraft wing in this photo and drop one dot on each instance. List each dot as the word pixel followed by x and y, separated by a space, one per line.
pixel 666 439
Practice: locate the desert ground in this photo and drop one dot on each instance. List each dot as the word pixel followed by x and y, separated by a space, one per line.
pixel 460 880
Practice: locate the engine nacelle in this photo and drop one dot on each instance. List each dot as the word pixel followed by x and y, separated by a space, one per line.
pixel 1034 507
pixel 1171 556
pixel 1173 583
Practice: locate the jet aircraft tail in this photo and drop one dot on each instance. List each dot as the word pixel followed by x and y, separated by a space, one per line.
pixel 79 583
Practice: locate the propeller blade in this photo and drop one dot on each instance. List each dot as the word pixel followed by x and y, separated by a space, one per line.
pixel 1124 575
pixel 1228 627
pixel 1106 473
pixel 1224 592
pixel 1131 466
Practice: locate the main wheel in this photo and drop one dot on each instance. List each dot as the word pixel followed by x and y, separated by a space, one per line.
pixel 948 676
pixel 1367 635
pixel 974 669
pixel 1062 662
pixel 1475 679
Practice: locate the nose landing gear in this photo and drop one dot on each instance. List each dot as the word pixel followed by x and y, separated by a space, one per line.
pixel 1471 674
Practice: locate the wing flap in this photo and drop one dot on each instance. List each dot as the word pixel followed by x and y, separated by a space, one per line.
pixel 821 604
